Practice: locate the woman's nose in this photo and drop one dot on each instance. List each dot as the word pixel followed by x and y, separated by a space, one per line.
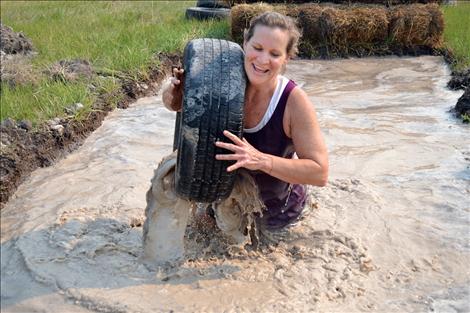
pixel 263 58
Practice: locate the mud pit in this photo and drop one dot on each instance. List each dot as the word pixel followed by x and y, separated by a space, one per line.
pixel 389 232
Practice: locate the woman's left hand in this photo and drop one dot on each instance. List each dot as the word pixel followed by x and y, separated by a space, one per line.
pixel 244 154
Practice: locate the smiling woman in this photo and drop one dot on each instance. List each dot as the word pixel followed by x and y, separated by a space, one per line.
pixel 282 144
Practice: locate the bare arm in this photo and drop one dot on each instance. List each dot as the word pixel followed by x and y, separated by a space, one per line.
pixel 311 167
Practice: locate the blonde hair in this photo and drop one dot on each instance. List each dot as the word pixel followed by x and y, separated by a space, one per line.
pixel 273 20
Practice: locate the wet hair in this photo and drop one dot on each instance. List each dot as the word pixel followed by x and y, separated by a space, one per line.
pixel 276 20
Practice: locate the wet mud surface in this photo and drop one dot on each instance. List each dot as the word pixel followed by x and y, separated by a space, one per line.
pixel 388 233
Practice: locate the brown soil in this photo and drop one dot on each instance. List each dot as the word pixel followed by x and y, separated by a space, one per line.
pixel 463 105
pixel 23 150
pixel 460 79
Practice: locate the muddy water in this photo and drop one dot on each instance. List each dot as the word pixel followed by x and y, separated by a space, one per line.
pixel 389 233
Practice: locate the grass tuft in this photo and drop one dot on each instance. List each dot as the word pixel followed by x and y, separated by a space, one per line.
pixel 457 32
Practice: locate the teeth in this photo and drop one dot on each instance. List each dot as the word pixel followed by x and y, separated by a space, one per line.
pixel 258 69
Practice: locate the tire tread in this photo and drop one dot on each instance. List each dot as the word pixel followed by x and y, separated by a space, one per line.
pixel 207 180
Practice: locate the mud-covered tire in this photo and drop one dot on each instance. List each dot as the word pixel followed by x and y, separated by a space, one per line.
pixel 214 92
pixel 206 13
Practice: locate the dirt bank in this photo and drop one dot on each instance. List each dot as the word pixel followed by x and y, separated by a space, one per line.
pixel 461 80
pixel 24 150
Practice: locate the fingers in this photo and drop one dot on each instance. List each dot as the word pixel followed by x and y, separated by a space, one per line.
pixel 233 137
pixel 227 157
pixel 177 76
pixel 175 81
pixel 177 72
pixel 228 146
pixel 234 167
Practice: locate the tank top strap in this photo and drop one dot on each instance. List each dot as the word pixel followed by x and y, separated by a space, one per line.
pixel 278 114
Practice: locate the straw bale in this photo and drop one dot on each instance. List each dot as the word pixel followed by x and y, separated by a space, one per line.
pixel 349 2
pixel 416 25
pixel 356 29
pixel 339 30
pixel 382 2
pixel 308 19
pixel 436 26
pixel 243 13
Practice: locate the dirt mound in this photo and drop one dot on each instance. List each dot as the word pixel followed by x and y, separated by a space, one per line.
pixel 460 79
pixel 24 150
pixel 358 30
pixel 17 70
pixel 14 43
pixel 71 70
pixel 15 57
pixel 463 105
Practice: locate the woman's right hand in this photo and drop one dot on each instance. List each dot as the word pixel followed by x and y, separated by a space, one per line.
pixel 173 93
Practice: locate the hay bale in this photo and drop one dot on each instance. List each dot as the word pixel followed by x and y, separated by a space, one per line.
pixel 416 25
pixel 352 31
pixel 348 2
pixel 241 15
pixel 313 41
pixel 359 30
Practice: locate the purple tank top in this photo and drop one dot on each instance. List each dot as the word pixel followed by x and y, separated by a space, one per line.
pixel 284 201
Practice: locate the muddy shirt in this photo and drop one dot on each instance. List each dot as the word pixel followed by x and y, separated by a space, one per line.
pixel 284 201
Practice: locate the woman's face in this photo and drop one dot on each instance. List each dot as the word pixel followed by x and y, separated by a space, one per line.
pixel 265 54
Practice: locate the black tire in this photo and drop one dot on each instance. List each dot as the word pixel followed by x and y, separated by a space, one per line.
pixel 213 4
pixel 214 93
pixel 206 13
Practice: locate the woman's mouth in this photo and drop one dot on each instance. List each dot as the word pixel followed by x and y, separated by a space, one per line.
pixel 259 70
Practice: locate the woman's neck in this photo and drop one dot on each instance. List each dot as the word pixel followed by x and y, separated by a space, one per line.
pixel 255 92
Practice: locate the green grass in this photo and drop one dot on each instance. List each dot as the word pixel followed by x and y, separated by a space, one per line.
pixel 49 99
pixel 466 118
pixel 113 35
pixel 457 32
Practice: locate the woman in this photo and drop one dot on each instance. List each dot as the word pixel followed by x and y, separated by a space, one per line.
pixel 282 144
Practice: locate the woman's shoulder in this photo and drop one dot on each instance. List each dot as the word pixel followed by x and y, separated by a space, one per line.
pixel 299 110
pixel 298 95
